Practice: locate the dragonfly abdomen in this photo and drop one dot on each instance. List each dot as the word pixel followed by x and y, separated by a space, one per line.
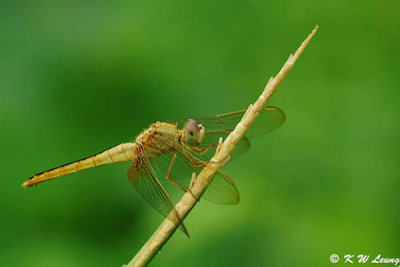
pixel 119 153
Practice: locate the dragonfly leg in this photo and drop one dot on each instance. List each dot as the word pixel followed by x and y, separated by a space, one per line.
pixel 172 180
pixel 201 151
pixel 194 162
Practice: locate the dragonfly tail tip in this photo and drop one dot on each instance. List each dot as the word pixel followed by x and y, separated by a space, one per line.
pixel 25 184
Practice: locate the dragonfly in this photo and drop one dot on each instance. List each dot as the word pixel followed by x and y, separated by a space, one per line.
pixel 172 152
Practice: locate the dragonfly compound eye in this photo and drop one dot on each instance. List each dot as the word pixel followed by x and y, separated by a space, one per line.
pixel 192 127
pixel 192 131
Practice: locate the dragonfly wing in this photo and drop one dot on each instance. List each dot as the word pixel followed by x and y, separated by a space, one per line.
pixel 184 164
pixel 221 189
pixel 143 179
pixel 269 119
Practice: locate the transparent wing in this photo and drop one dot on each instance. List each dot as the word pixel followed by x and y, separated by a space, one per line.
pixel 144 180
pixel 222 125
pixel 268 120
pixel 222 190
pixel 179 166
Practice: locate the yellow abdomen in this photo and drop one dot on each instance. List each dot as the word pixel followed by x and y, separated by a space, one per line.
pixel 119 153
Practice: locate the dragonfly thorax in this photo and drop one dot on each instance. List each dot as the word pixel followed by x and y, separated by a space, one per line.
pixel 193 132
pixel 159 138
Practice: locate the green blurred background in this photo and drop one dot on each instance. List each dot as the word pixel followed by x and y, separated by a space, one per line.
pixel 77 77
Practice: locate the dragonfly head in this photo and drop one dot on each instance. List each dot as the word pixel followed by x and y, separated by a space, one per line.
pixel 194 132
